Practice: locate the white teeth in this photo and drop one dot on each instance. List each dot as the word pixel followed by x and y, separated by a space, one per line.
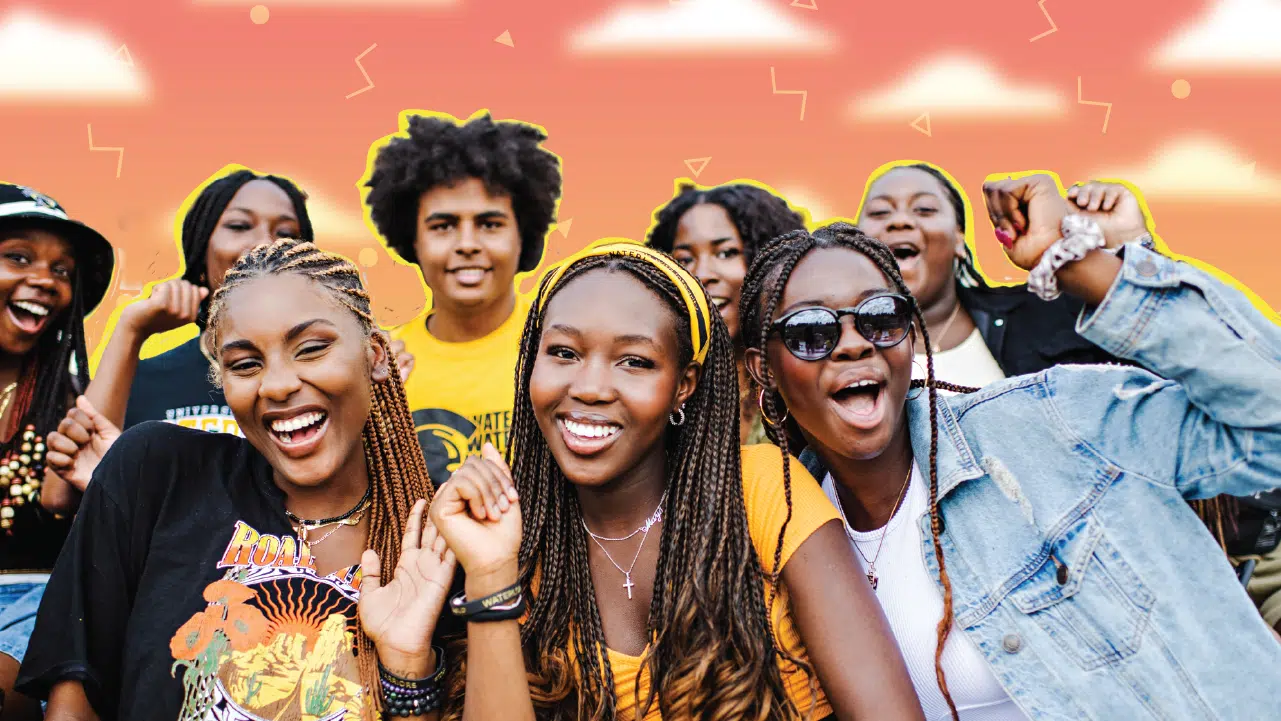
pixel 288 425
pixel 32 308
pixel 590 430
pixel 861 384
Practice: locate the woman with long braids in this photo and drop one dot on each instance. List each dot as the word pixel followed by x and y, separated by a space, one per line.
pixel 714 233
pixel 53 272
pixel 1030 542
pixel 234 211
pixel 284 575
pixel 625 430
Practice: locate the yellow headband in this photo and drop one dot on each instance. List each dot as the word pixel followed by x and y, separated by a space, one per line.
pixel 696 303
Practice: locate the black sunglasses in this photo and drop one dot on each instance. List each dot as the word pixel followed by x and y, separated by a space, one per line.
pixel 811 334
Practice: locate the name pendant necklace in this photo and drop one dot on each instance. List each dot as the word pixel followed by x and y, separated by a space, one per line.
pixel 872 578
pixel 654 519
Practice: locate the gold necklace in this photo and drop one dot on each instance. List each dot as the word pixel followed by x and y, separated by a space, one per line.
pixel 7 394
pixel 871 564
pixel 938 339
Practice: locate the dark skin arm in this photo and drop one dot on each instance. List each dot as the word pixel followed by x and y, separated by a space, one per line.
pixel 67 702
pixel 842 627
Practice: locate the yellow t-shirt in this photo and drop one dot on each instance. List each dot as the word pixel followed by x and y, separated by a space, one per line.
pixel 460 394
pixel 766 508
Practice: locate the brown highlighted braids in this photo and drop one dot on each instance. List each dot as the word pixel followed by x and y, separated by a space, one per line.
pixel 762 291
pixel 712 654
pixel 397 471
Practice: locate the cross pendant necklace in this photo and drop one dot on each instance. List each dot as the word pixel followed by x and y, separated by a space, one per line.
pixel 654 519
pixel 871 563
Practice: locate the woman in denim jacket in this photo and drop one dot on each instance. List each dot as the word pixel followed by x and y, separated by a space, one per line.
pixel 1046 523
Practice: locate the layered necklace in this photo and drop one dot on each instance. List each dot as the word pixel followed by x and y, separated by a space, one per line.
pixel 654 519
pixel 352 517
pixel 872 578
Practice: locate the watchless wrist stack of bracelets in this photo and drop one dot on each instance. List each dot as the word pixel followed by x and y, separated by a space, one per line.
pixel 412 697
pixel 506 605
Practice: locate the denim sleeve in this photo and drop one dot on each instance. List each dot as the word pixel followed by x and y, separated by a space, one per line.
pixel 1209 421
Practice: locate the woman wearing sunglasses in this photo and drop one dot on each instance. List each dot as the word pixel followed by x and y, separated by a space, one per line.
pixel 1030 543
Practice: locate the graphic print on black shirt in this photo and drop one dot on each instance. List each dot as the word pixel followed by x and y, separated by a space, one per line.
pixel 174 387
pixel 276 641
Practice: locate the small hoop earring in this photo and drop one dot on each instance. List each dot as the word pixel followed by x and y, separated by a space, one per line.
pixel 760 403
pixel 924 379
pixel 677 417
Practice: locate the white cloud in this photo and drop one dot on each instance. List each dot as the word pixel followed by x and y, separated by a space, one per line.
pixel 43 60
pixel 700 26
pixel 361 4
pixel 1230 34
pixel 801 196
pixel 958 86
pixel 1201 167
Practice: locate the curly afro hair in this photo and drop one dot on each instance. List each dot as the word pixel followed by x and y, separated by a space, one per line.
pixel 506 156
pixel 759 215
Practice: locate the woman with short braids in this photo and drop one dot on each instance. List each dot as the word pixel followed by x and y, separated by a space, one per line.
pixel 1030 543
pixel 287 574
pixel 652 546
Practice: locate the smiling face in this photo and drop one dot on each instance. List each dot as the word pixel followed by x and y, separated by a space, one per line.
pixel 908 210
pixel 605 383
pixel 707 243
pixel 852 402
pixel 260 212
pixel 35 286
pixel 297 371
pixel 468 245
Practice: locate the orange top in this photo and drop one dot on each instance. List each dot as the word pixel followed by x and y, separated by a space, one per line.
pixel 766 503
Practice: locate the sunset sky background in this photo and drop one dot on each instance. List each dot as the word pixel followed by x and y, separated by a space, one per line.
pixel 628 90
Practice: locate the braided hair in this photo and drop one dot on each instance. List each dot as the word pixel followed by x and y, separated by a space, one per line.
pixel 397 471
pixel 712 653
pixel 757 214
pixel 763 291
pixel 201 220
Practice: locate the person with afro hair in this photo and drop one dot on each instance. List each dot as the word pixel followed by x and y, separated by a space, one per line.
pixel 715 232
pixel 470 203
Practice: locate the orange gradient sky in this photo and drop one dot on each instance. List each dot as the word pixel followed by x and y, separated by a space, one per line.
pixel 626 104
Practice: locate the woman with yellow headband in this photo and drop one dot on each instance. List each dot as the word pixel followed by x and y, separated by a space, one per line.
pixel 634 562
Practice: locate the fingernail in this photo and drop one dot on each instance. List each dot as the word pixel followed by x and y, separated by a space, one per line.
pixel 1004 236
pixel 503 503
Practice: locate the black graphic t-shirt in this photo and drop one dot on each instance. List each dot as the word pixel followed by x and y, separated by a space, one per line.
pixel 182 594
pixel 174 387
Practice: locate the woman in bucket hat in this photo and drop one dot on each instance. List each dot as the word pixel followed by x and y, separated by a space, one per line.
pixel 53 272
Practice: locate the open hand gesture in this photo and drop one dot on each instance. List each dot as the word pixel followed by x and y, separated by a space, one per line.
pixel 478 512
pixel 400 617
pixel 79 444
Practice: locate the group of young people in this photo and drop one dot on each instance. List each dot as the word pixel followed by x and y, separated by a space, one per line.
pixel 879 486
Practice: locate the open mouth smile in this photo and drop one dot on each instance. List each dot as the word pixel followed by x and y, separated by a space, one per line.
pixel 299 433
pixel 588 436
pixel 861 402
pixel 29 316
pixel 470 276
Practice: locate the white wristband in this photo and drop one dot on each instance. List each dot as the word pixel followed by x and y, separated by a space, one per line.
pixel 1080 236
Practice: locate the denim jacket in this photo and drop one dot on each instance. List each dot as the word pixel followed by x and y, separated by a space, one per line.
pixel 1077 567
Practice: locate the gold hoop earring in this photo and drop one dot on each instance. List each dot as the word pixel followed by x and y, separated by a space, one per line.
pixel 760 403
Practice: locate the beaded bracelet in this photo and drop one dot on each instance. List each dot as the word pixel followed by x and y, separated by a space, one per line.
pixel 412 697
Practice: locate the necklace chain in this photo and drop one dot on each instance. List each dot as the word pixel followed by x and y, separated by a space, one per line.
pixel 938 339
pixel 872 578
pixel 352 517
pixel 654 519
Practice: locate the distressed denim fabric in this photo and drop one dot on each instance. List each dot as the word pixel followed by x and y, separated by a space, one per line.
pixel 1077 567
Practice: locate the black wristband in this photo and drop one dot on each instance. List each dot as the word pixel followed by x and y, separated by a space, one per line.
pixel 502 600
pixel 510 611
